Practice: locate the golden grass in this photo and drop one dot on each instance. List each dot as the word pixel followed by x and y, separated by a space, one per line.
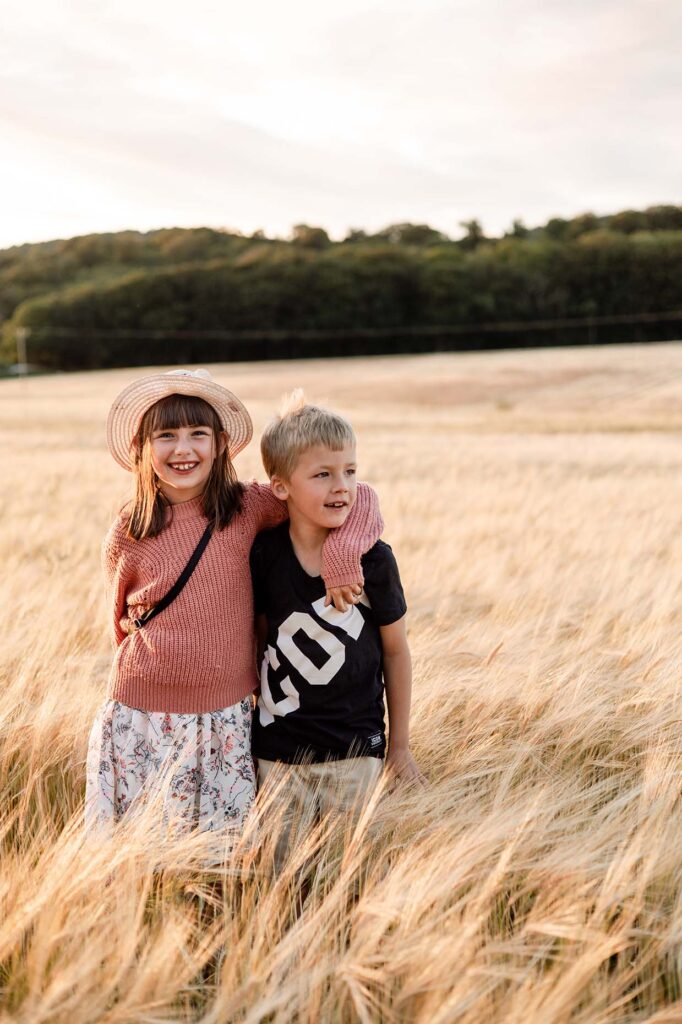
pixel 532 499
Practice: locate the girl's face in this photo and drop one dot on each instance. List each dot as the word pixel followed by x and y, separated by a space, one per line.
pixel 182 458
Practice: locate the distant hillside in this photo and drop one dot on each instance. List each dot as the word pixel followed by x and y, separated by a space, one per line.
pixel 199 294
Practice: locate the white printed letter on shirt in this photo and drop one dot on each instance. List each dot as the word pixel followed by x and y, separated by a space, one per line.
pixel 351 622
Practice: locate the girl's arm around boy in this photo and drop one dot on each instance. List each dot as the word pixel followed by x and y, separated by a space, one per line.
pixel 343 548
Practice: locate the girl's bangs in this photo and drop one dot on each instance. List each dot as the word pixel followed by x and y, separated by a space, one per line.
pixel 180 411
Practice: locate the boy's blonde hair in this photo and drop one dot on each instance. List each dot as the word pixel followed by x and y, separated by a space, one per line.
pixel 299 427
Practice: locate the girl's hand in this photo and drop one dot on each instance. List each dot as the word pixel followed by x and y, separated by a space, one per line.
pixel 343 597
pixel 403 768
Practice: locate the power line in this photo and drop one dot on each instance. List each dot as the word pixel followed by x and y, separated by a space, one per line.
pixel 312 334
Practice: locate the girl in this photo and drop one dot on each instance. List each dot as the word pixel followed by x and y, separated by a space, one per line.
pixel 177 719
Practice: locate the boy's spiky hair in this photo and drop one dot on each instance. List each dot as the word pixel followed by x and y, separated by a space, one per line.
pixel 297 428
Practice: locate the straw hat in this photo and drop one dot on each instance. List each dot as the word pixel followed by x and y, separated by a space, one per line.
pixel 130 406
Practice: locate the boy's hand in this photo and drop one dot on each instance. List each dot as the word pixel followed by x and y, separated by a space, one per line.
pixel 403 768
pixel 343 597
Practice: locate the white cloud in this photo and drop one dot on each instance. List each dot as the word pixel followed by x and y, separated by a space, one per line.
pixel 262 115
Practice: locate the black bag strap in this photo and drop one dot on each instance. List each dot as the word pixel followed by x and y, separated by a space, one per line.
pixel 179 583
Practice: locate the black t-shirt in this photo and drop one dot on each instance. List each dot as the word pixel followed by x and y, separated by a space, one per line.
pixel 322 691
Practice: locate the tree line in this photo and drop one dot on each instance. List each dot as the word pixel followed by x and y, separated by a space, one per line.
pixel 204 295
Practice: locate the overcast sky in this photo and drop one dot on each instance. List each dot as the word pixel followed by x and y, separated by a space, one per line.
pixel 358 113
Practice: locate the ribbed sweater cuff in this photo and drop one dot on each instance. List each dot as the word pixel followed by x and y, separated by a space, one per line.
pixel 345 546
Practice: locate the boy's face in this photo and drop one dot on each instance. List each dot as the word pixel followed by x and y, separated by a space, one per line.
pixel 322 488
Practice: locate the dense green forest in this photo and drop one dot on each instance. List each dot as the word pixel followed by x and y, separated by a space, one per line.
pixel 200 294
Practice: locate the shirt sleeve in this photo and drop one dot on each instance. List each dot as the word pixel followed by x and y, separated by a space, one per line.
pixel 114 567
pixel 383 587
pixel 269 511
pixel 345 546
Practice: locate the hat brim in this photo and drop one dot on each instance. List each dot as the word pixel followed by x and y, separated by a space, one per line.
pixel 131 404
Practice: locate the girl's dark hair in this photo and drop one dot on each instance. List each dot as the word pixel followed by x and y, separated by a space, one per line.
pixel 222 496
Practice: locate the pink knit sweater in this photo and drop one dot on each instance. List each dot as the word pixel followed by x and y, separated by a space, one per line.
pixel 198 654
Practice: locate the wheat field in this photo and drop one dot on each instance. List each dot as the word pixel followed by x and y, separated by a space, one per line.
pixel 533 501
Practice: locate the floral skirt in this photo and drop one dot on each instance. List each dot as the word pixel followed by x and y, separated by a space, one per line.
pixel 198 766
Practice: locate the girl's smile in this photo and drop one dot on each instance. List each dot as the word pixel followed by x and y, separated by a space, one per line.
pixel 182 458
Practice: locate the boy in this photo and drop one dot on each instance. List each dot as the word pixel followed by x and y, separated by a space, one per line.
pixel 321 706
